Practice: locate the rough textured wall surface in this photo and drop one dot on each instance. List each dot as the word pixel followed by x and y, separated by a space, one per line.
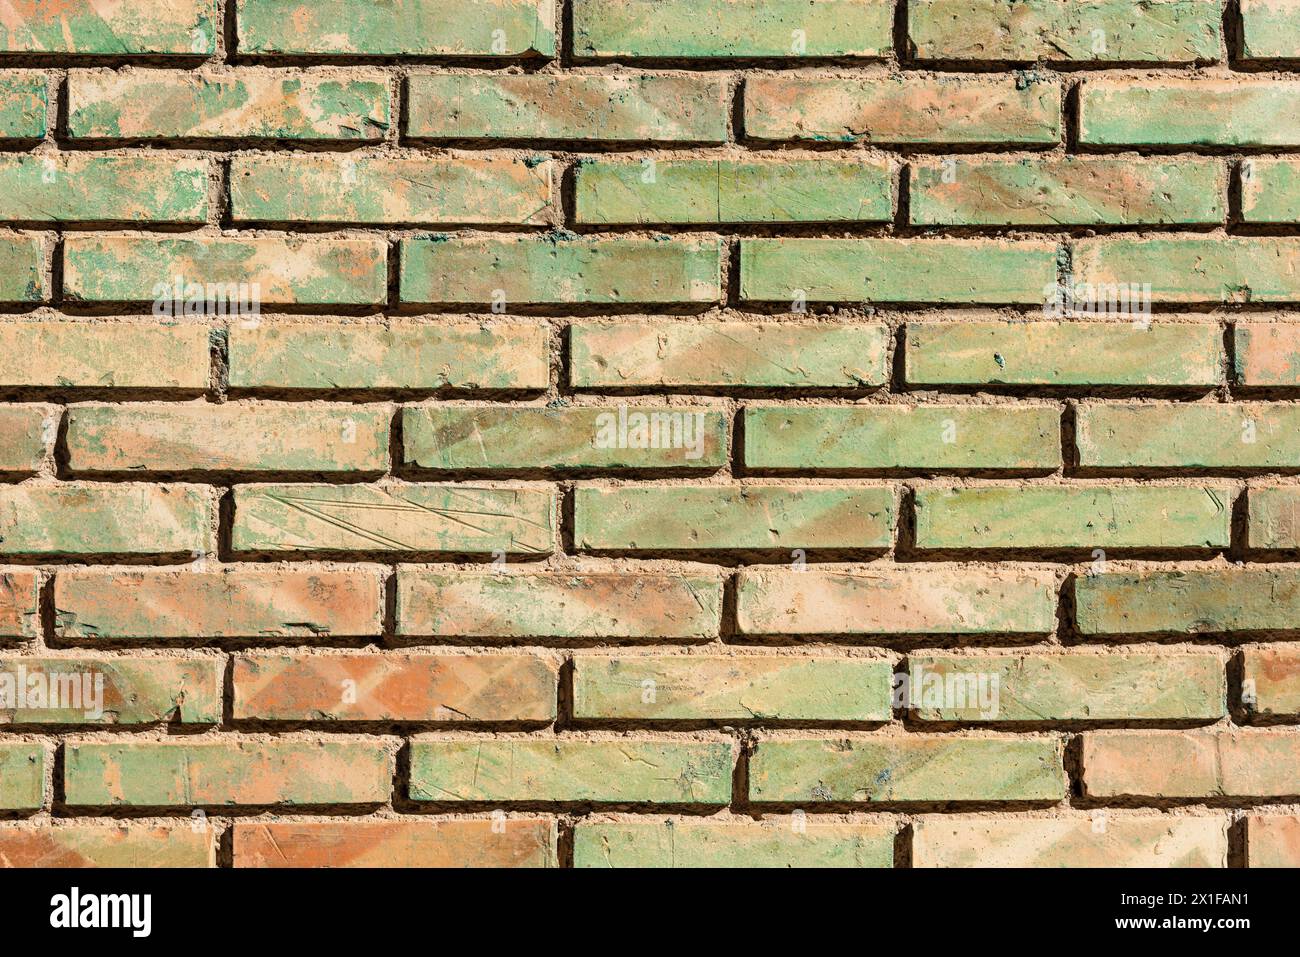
pixel 650 432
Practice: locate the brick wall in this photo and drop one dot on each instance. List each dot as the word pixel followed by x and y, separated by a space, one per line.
pixel 665 432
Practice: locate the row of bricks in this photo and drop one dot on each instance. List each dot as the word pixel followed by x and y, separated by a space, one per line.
pixel 317 604
pixel 357 106
pixel 881 768
pixel 982 688
pixel 506 189
pixel 1175 31
pixel 1112 839
pixel 235 273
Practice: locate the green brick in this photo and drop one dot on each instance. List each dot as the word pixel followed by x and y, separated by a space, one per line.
pixel 23 102
pixel 245 103
pixel 1267 353
pixel 325 188
pixel 227 773
pixel 1270 30
pixel 22 268
pixel 88 188
pixel 678 355
pixel 1273 520
pixel 94 353
pixel 896 270
pixel 1071 190
pixel 1189 112
pixel 1088 31
pixel 622 192
pixel 397 28
pixel 564 269
pixel 111 691
pixel 623 770
pixel 734 687
pixel 1239 435
pixel 1194 270
pixel 123 28
pixel 1270 188
pixel 1073 517
pixel 505 438
pixel 83 518
pixel 667 107
pixel 230 436
pixel 738 517
pixel 394 518
pixel 774 843
pixel 1070 353
pixel 274 270
pixel 899 768
pixel 1193 602
pixel 906 109
pixel 902 437
pixel 732 28
pixel 23 431
pixel 399 354
pixel 22 777
pixel 1067 687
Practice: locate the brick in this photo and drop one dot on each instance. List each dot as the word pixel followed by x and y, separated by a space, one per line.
pixel 563 269
pixel 687 843
pixel 1271 680
pixel 732 28
pixel 23 105
pixel 895 768
pixel 677 355
pixel 622 770
pixel 1270 188
pixel 1273 518
pixel 23 436
pixel 506 438
pixel 19 604
pixel 1274 840
pixel 731 687
pixel 394 518
pixel 226 773
pixel 1029 686
pixel 1185 112
pixel 1217 600
pixel 1270 29
pixel 736 517
pixel 230 436
pixel 583 107
pixel 125 28
pixel 1069 353
pixel 896 270
pixel 22 776
pixel 368 687
pixel 899 437
pixel 404 28
pixel 99 845
pixel 22 269
pixel 915 600
pixel 236 602
pixel 565 606
pixel 400 354
pixel 1070 190
pixel 1191 764
pixel 92 354
pixel 1074 31
pixel 86 518
pixel 226 104
pixel 242 272
pixel 1073 517
pixel 1225 270
pixel 1102 839
pixel 110 691
pixel 902 110
pixel 117 189
pixel 1237 435
pixel 325 188
pixel 463 842
pixel 732 191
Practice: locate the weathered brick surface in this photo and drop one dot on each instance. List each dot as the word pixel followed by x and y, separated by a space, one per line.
pixel 1273 518
pixel 90 845
pixel 1270 191
pixel 78 353
pixel 1270 29
pixel 110 691
pixel 1191 764
pixel 1267 353
pixel 1185 435
pixel 18 604
pixel 1194 270
pixel 160 27
pixel 22 776
pixel 87 188
pixel 1271 680
pixel 24 436
pixel 130 519
pixel 24 101
pixel 22 273
pixel 1274 840
pixel 1195 601
pixel 1182 112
